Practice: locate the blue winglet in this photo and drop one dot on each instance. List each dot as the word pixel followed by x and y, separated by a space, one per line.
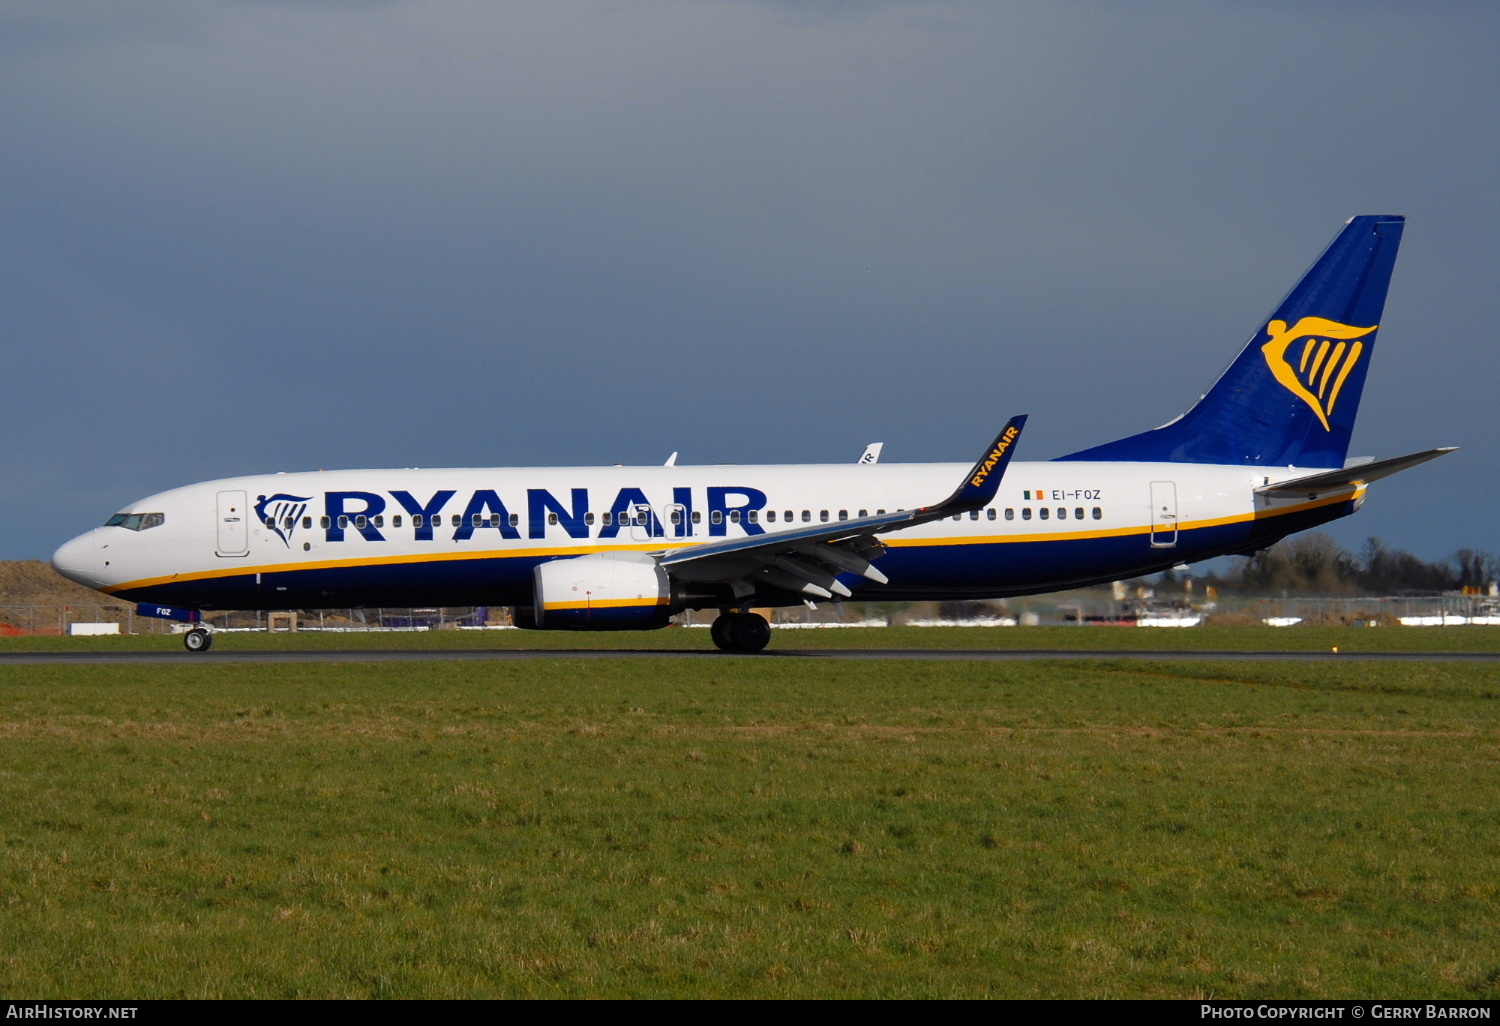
pixel 983 481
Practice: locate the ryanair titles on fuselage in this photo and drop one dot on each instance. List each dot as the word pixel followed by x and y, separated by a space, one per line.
pixel 443 514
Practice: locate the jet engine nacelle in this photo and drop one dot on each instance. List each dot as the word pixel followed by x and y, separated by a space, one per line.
pixel 616 591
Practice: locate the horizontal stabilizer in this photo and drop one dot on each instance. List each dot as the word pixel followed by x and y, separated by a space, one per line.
pixel 1348 477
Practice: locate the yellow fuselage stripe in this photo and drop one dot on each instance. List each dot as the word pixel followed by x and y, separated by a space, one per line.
pixel 1121 532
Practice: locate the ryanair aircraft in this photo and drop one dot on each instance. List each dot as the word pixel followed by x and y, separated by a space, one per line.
pixel 1261 455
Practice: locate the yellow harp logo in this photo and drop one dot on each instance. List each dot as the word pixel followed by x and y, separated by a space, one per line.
pixel 1315 370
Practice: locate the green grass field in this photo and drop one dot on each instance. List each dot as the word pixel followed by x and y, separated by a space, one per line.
pixel 751 827
pixel 1223 639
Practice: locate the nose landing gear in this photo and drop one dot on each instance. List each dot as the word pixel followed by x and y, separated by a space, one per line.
pixel 197 639
pixel 740 632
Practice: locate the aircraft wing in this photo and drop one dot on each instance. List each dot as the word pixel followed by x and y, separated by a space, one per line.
pixel 1348 477
pixel 807 560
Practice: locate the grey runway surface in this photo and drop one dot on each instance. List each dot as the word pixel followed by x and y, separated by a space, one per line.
pixel 470 655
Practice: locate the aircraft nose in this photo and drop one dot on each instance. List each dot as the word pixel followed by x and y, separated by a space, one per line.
pixel 79 560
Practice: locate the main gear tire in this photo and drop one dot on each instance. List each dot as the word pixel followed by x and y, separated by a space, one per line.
pixel 740 632
pixel 751 633
pixel 720 631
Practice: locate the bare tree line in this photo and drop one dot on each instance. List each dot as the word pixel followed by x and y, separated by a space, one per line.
pixel 1315 564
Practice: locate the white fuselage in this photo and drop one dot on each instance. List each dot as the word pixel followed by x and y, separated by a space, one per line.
pixel 474 536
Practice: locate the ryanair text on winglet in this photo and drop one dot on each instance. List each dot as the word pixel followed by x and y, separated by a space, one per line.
pixel 988 463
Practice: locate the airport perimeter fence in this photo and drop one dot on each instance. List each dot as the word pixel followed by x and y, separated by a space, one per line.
pixel 1425 611
pixel 1447 610
pixel 105 618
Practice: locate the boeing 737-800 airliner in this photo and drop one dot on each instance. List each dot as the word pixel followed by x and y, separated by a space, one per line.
pixel 1261 455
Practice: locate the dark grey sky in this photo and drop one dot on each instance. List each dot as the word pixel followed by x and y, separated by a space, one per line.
pixel 251 236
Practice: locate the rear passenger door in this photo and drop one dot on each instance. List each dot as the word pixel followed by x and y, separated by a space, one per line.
pixel 1163 514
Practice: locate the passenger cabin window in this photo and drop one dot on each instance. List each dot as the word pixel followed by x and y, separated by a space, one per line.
pixel 734 516
pixel 990 513
pixel 1043 513
pixel 325 523
pixel 863 513
pixel 770 516
pixel 823 515
pixel 458 520
pixel 416 520
pixel 343 523
pixel 552 519
pixel 606 519
pixel 1010 513
pixel 307 523
pixel 361 522
pixel 753 516
pixel 807 516
pixel 1078 513
pixel 973 514
pixel 588 518
pixel 843 514
pixel 716 517
pixel 789 517
pixel 1062 513
pixel 697 516
pixel 1025 512
pixel 1098 513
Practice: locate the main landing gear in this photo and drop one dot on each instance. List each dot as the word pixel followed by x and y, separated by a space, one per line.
pixel 740 632
pixel 198 640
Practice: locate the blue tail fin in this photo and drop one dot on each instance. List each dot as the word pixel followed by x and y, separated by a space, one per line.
pixel 1290 397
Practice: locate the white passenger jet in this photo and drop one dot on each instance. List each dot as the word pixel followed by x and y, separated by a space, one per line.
pixel 1261 455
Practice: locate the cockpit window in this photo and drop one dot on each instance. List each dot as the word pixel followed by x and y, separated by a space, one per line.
pixel 136 521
